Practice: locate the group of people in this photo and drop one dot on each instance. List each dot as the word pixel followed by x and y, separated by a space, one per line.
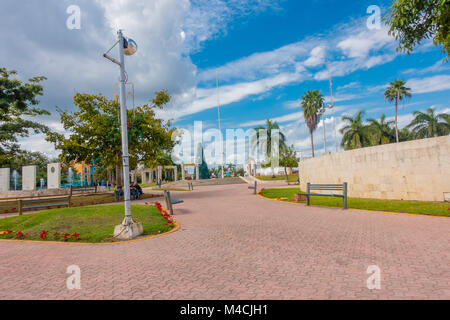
pixel 136 190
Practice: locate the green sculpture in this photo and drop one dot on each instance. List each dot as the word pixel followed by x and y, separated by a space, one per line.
pixel 203 166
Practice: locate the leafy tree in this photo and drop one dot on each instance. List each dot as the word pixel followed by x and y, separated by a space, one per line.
pixel 17 101
pixel 313 107
pixel 269 128
pixel 429 124
pixel 412 21
pixel 95 133
pixel 355 133
pixel 397 91
pixel 381 131
pixel 405 135
pixel 288 159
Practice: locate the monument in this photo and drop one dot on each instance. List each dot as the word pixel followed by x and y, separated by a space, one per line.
pixel 53 175
pixel 4 179
pixel 29 178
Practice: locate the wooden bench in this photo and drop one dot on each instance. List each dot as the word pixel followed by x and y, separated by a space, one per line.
pixel 255 188
pixel 326 187
pixel 40 206
pixel 170 201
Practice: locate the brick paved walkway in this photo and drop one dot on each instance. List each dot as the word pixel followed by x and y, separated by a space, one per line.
pixel 234 245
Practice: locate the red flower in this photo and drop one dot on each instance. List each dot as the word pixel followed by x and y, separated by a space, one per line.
pixel 9 232
pixel 20 234
pixel 65 235
pixel 75 235
pixel 56 234
pixel 43 234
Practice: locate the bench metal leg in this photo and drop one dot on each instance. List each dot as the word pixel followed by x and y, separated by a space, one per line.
pixel 345 196
pixel 308 189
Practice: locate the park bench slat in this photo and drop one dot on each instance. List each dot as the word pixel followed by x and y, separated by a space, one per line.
pixel 326 187
pixel 46 205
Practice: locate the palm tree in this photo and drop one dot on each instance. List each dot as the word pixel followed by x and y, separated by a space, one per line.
pixel 397 91
pixel 427 124
pixel 355 133
pixel 269 128
pixel 313 107
pixel 381 130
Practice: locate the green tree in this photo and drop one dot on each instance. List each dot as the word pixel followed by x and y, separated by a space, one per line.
pixel 355 134
pixel 405 135
pixel 269 128
pixel 95 133
pixel 288 159
pixel 17 106
pixel 397 91
pixel 381 131
pixel 429 124
pixel 313 107
pixel 412 21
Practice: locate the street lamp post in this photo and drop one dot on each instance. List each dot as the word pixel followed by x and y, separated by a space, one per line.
pixel 124 127
pixel 218 116
pixel 128 229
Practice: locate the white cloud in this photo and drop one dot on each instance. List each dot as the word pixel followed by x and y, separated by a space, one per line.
pixel 232 93
pixel 436 67
pixel 316 58
pixel 429 84
pixel 361 44
pixel 296 116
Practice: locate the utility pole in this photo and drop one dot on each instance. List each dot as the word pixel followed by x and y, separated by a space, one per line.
pixel 218 114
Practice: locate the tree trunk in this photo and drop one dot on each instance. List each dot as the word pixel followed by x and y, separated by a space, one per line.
pixel 287 177
pixel 312 143
pixel 396 112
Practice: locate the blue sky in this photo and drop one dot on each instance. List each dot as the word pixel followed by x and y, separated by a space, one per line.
pixel 267 54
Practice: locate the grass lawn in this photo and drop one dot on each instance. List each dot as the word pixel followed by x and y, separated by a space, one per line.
pixel 93 223
pixel 415 207
pixel 291 177
pixel 149 185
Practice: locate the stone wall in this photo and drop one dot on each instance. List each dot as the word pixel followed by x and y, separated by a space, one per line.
pixel 4 179
pixel 413 170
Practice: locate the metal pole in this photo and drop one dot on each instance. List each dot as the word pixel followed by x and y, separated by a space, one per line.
pixel 218 113
pixel 124 125
pixel 324 134
pixel 335 135
pixel 332 105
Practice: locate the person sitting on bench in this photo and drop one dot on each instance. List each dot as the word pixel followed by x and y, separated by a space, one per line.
pixel 134 193
pixel 138 188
